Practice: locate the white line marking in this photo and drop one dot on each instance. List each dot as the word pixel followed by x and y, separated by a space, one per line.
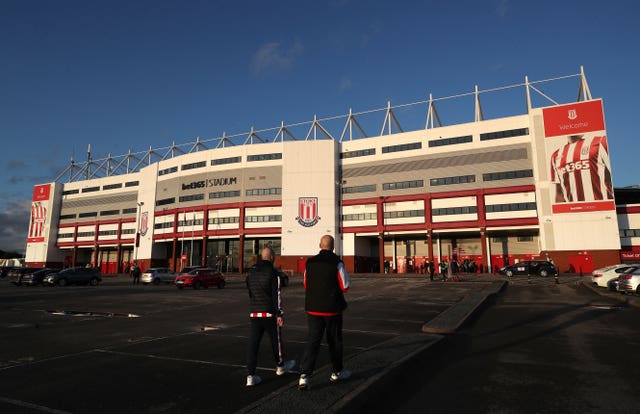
pixel 32 406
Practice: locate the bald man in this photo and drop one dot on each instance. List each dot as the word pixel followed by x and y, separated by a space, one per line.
pixel 266 315
pixel 325 281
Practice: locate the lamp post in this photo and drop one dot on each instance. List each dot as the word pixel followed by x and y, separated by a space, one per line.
pixel 137 243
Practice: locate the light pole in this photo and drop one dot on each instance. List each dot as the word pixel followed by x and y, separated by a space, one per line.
pixel 137 244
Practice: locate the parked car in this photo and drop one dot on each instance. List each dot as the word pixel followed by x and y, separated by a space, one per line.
pixel 17 273
pixel 36 276
pixel 157 275
pixel 602 277
pixel 200 277
pixel 541 268
pixel 4 271
pixel 74 275
pixel 629 282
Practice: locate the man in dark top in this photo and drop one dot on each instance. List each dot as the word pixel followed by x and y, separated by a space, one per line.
pixel 265 307
pixel 325 281
pixel 135 273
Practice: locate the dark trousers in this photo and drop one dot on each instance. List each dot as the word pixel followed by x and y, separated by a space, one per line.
pixel 317 327
pixel 258 327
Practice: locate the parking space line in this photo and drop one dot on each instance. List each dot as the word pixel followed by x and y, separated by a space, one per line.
pixel 166 358
pixel 33 362
pixel 32 406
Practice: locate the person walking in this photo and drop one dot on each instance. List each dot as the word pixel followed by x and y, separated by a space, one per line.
pixel 325 281
pixel 432 269
pixel 266 315
pixel 135 273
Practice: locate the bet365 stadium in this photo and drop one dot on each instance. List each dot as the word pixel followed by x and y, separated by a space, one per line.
pixel 495 191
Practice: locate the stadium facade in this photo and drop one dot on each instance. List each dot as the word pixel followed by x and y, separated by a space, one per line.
pixel 490 191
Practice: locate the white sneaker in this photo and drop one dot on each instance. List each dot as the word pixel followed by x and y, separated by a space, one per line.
pixel 286 367
pixel 253 380
pixel 304 383
pixel 342 375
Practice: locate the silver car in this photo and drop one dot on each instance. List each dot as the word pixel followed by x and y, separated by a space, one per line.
pixel 157 275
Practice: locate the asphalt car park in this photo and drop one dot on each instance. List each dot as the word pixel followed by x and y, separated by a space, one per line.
pixel 119 347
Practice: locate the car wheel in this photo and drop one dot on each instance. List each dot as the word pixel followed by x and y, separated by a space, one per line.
pixel 221 284
pixel 62 282
pixel 197 285
pixel 509 273
pixel 544 273
pixel 638 290
pixel 156 281
pixel 93 281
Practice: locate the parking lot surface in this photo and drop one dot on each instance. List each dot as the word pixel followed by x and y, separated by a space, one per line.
pixel 120 347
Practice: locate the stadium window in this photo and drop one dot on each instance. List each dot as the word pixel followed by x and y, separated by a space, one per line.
pixel 525 238
pixel 165 201
pixel 504 134
pixel 68 192
pixel 168 171
pixel 89 214
pixel 90 189
pixel 132 184
pixel 507 175
pixel 264 157
pixel 109 212
pixel 191 197
pixel 402 147
pixel 129 210
pixel 462 179
pixel 193 165
pixel 359 189
pixel 112 186
pixel 222 161
pixel 67 216
pixel 225 194
pixel 358 153
pixel 403 185
pixel 450 141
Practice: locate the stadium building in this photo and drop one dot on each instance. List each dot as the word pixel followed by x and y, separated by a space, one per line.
pixel 489 192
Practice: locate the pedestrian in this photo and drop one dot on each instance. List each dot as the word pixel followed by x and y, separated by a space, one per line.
pixel 265 315
pixel 325 281
pixel 432 269
pixel 135 273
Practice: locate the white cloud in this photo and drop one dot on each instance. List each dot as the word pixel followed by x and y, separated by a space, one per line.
pixel 273 57
pixel 503 8
pixel 14 225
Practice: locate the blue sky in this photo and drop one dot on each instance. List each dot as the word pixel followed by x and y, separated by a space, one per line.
pixel 123 75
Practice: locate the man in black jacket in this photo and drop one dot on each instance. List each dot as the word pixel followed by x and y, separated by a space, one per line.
pixel 325 281
pixel 266 314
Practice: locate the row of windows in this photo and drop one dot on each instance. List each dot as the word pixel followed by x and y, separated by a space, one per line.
pixel 496 208
pixel 265 157
pixel 263 191
pixel 224 220
pixel 406 213
pixel 86 234
pixel 167 225
pixel 461 179
pixel 168 171
pixel 359 189
pixel 403 184
pixel 359 216
pixel 449 211
pixel 358 153
pixel 504 134
pixel 261 219
pixel 193 165
pixel 630 233
pixel 507 175
pixel 225 194
pixel 65 236
pixel 191 197
pixel 222 161
pixel 506 239
pixel 401 147
pixel 450 141
pixel 104 187
pixel 108 233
